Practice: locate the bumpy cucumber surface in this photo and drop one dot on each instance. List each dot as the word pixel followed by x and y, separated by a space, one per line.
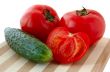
pixel 27 46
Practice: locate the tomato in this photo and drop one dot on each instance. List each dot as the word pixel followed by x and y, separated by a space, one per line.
pixel 39 20
pixel 85 20
pixel 67 47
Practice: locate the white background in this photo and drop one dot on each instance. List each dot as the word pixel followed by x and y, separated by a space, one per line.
pixel 12 10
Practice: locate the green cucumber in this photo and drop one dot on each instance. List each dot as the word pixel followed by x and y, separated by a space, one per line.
pixel 27 46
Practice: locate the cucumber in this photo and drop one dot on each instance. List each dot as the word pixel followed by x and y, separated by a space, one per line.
pixel 27 46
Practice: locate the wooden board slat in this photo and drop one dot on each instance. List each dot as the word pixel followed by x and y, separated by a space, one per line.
pixel 94 61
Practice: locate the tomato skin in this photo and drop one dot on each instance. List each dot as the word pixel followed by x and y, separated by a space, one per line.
pixel 92 23
pixel 67 47
pixel 35 22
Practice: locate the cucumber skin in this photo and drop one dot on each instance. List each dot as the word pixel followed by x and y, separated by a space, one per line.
pixel 27 46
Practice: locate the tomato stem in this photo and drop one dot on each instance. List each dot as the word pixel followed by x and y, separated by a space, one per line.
pixel 48 15
pixel 82 12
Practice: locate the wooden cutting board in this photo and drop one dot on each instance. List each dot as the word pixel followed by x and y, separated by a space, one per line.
pixel 94 61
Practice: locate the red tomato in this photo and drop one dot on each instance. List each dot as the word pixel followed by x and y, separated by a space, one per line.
pixel 39 20
pixel 85 20
pixel 67 47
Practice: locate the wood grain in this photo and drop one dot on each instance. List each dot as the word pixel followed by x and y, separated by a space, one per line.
pixel 101 62
pixel 96 63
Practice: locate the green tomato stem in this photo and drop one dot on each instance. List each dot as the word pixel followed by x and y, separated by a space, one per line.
pixel 48 15
pixel 82 12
